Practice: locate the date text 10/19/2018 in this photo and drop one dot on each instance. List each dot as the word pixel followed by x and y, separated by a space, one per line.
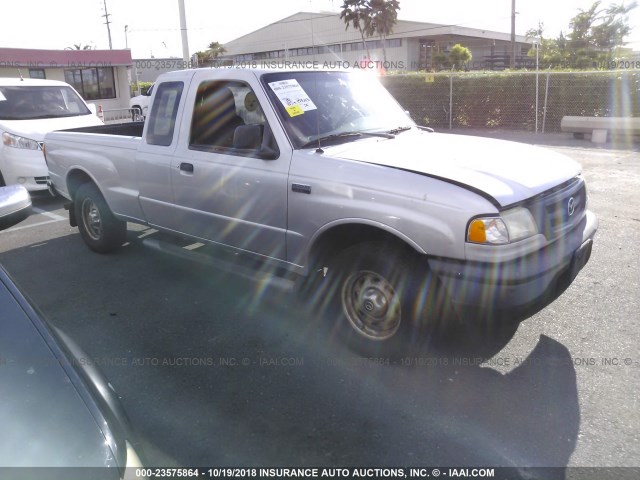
pixel 370 473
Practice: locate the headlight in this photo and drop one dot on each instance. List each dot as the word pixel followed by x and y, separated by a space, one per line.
pixel 19 142
pixel 510 226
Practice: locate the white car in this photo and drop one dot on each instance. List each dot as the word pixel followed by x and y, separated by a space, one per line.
pixel 29 109
pixel 141 104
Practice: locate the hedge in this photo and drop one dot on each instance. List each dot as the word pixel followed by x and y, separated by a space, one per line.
pixel 508 100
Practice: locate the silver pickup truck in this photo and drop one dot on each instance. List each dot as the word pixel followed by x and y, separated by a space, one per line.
pixel 321 174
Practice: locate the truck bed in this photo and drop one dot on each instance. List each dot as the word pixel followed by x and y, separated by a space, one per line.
pixel 130 129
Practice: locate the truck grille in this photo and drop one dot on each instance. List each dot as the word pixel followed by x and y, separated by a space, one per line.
pixel 558 210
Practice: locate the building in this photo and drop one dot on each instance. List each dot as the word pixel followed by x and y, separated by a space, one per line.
pixel 321 37
pixel 101 77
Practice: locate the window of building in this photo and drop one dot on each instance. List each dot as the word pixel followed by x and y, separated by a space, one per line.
pixel 371 44
pixel 37 73
pixel 92 83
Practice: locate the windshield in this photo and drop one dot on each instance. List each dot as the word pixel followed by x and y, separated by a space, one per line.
pixel 315 105
pixel 33 102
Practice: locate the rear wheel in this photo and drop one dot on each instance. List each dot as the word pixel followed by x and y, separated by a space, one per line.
pixel 99 228
pixel 386 301
pixel 2 184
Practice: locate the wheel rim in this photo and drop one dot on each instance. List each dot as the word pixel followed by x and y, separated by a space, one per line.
pixel 91 219
pixel 371 305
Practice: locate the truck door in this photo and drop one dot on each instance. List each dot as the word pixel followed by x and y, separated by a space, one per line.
pixel 153 160
pixel 229 173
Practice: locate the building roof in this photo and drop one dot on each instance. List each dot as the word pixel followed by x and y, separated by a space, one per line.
pixel 304 29
pixel 22 57
pixel 29 82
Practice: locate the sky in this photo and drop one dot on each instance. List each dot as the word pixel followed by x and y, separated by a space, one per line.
pixel 153 27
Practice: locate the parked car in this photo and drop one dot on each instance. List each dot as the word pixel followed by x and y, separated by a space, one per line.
pixel 15 205
pixel 56 408
pixel 30 108
pixel 140 104
pixel 322 174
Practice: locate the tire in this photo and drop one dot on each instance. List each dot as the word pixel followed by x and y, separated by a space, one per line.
pixel 2 184
pixel 385 301
pixel 100 230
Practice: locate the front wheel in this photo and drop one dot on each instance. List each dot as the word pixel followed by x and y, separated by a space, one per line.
pixel 386 300
pixel 99 228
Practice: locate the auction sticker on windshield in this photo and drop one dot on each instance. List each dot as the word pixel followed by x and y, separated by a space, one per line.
pixel 293 97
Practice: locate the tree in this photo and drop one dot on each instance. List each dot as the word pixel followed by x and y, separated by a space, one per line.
pixel 595 37
pixel 78 46
pixel 382 19
pixel 371 17
pixel 214 50
pixel 459 55
pixel 356 13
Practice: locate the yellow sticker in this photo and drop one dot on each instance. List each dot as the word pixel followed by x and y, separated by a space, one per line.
pixel 294 110
pixel 430 78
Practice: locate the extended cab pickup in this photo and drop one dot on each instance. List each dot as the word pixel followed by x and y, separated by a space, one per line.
pixel 322 174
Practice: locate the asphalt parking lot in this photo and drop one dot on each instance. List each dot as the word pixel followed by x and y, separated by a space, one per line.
pixel 215 369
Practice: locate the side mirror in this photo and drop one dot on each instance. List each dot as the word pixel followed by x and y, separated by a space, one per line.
pixel 92 108
pixel 15 205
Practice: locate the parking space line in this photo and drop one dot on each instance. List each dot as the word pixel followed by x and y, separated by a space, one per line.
pixel 148 232
pixel 194 246
pixel 24 227
pixel 55 216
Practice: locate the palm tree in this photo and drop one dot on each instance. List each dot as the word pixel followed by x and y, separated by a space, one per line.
pixel 78 46
pixel 383 17
pixel 371 17
pixel 215 50
pixel 356 13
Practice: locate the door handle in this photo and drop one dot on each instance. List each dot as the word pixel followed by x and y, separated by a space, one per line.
pixel 186 167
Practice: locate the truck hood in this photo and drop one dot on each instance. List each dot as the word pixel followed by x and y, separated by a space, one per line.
pixel 509 172
pixel 37 128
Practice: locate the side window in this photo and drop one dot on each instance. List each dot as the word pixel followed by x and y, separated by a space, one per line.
pixel 162 120
pixel 228 117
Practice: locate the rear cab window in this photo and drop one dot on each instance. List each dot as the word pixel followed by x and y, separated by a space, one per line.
pixel 162 120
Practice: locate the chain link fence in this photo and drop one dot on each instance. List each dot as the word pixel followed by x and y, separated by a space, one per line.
pixel 529 101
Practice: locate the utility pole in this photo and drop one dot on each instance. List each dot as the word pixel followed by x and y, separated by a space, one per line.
pixel 126 38
pixel 512 63
pixel 107 22
pixel 183 32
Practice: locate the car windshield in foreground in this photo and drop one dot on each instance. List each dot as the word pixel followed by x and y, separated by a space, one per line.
pixel 37 102
pixel 329 106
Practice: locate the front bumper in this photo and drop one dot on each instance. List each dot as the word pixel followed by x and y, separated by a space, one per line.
pixel 25 167
pixel 522 281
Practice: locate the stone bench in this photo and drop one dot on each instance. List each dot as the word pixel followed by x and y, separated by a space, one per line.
pixel 599 127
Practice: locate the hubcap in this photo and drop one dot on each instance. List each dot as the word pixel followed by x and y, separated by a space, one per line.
pixel 91 219
pixel 371 305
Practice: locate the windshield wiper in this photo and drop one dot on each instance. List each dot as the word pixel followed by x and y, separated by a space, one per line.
pixel 398 130
pixel 345 135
